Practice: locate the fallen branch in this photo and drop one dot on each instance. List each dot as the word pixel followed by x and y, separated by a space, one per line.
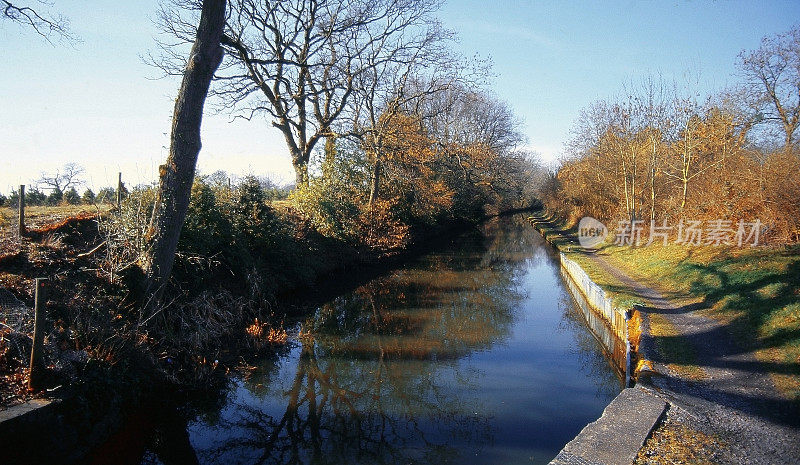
pixel 86 254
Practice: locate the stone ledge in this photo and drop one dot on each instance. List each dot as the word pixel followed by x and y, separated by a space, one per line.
pixel 616 437
pixel 20 412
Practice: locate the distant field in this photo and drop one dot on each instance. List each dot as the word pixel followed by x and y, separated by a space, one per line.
pixel 38 216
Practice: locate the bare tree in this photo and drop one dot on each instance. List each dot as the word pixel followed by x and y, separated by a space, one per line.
pixel 43 23
pixel 773 81
pixel 177 174
pixel 297 62
pixel 71 175
pixel 651 104
pixel 462 120
pixel 388 91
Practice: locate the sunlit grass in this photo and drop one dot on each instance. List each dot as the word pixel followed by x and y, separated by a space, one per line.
pixel 755 290
pixel 40 215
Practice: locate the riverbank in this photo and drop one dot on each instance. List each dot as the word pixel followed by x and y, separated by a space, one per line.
pixel 114 367
pixel 712 315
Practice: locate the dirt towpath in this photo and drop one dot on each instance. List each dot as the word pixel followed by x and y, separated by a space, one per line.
pixel 734 398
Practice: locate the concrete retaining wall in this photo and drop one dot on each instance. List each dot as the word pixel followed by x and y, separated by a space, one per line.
pixel 614 348
pixel 626 423
pixel 597 298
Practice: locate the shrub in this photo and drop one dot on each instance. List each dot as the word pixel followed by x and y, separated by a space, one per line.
pixel 252 218
pixel 332 202
pixel 35 197
pixel 13 199
pixel 380 228
pixel 72 197
pixel 88 197
pixel 55 197
pixel 206 230
pixel 126 231
pixel 333 211
pixel 106 195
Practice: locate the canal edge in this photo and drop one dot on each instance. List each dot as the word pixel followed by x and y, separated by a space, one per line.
pixel 629 419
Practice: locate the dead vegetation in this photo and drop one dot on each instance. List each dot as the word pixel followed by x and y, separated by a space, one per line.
pixel 94 317
pixel 673 443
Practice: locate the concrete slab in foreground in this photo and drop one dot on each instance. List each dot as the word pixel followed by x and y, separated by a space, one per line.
pixel 616 437
pixel 20 410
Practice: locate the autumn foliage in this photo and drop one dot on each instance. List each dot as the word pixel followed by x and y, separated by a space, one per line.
pixel 660 155
pixel 408 174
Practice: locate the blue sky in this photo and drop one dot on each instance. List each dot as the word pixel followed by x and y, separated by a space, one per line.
pixel 98 104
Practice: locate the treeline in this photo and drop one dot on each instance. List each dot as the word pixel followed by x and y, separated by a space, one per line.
pixel 34 196
pixel 453 157
pixel 388 129
pixel 375 107
pixel 663 155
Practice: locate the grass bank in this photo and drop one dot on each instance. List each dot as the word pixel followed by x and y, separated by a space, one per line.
pixel 755 291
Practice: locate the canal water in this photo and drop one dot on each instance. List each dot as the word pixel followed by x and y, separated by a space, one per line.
pixel 475 354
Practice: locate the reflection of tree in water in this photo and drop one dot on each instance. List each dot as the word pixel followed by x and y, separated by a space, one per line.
pixel 348 411
pixel 377 378
pixel 512 240
pixel 593 356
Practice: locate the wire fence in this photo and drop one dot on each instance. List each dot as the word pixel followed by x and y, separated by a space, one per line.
pixel 14 314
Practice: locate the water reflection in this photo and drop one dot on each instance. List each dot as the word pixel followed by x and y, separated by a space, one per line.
pixel 459 357
pixel 578 310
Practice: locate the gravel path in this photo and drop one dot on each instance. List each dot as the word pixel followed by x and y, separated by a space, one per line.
pixel 736 399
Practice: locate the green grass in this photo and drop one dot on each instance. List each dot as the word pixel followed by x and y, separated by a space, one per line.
pixel 755 290
pixel 564 239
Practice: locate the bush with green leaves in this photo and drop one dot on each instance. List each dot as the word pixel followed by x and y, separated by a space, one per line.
pixel 88 197
pixel 207 230
pixel 253 219
pixel 106 195
pixel 13 199
pixel 35 197
pixel 332 201
pixel 72 197
pixel 3 200
pixel 56 197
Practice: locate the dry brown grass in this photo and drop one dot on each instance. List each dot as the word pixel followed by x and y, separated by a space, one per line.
pixel 41 216
pixel 265 333
pixel 675 443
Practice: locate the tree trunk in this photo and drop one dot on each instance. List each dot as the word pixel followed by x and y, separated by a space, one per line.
pixel 300 172
pixel 652 195
pixel 375 182
pixel 653 161
pixel 177 175
pixel 330 158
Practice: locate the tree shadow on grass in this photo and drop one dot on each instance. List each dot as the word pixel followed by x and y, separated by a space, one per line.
pixel 759 300
pixel 756 293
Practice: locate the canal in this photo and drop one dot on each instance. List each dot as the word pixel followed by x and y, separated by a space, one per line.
pixel 474 354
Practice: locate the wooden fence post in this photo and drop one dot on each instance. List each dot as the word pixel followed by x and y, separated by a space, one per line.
pixel 37 358
pixel 22 210
pixel 119 191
